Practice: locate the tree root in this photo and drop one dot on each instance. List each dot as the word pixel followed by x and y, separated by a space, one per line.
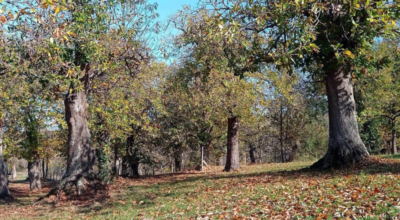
pixel 333 160
pixel 7 196
pixel 93 184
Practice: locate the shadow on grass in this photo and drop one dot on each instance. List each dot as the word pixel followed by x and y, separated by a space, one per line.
pixel 19 181
pixel 22 194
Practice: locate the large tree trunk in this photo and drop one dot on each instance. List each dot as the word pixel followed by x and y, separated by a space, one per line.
pixel 4 192
pixel 80 155
pixel 34 175
pixel 232 153
pixel 345 145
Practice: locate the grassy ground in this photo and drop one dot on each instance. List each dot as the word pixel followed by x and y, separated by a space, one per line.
pixel 390 156
pixel 268 191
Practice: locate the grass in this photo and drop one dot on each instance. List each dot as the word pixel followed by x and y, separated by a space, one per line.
pixel 268 191
pixel 390 156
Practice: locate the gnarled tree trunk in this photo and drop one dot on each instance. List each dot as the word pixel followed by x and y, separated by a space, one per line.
pixel 34 175
pixel 80 154
pixel 232 153
pixel 4 192
pixel 345 145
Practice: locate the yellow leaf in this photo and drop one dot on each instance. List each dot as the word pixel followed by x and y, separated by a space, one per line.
pixel 349 54
pixel 57 10
pixel 393 23
pixel 71 33
pixel 314 46
pixel 65 37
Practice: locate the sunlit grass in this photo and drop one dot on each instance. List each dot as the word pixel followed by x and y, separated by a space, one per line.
pixel 390 156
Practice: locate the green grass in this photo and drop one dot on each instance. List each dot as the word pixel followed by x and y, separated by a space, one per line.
pixel 390 156
pixel 260 191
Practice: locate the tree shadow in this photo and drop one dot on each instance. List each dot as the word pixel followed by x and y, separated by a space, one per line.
pixel 22 194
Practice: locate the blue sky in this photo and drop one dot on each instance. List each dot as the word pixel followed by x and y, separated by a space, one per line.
pixel 169 7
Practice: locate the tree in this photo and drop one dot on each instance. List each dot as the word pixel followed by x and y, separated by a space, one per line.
pixel 123 117
pixel 285 109
pixel 379 89
pixel 210 62
pixel 31 146
pixel 75 44
pixel 4 192
pixel 10 103
pixel 326 39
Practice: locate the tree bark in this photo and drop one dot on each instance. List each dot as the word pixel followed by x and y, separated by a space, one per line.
pixel 131 160
pixel 251 152
pixel 116 164
pixel 171 166
pixel 130 166
pixel 34 175
pixel 43 168
pixel 80 155
pixel 202 157
pixel 232 153
pixel 135 169
pixel 345 145
pixel 13 172
pixel 178 162
pixel 394 146
pixel 4 192
pixel 47 168
pixel 281 134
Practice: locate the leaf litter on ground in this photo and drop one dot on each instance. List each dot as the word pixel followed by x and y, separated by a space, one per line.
pixel 369 190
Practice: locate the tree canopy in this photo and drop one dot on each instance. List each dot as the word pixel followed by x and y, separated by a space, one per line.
pixel 250 81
